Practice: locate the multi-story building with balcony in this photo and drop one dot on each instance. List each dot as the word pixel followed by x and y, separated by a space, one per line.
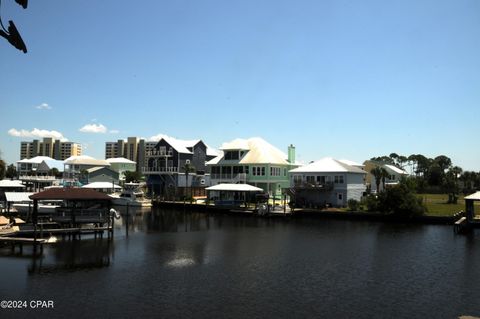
pixel 253 161
pixel 167 161
pixel 327 182
pixel 50 147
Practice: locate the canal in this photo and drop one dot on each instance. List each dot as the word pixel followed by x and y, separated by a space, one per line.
pixel 197 265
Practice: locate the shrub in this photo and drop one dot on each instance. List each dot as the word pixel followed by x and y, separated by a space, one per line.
pixel 400 200
pixel 353 204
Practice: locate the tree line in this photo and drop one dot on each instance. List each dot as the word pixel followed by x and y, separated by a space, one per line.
pixel 433 175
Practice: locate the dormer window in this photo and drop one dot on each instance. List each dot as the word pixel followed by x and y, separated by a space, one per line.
pixel 231 155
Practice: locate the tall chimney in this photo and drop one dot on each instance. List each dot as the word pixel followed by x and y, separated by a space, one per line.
pixel 291 154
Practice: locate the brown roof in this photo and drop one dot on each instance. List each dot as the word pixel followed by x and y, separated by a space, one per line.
pixel 71 194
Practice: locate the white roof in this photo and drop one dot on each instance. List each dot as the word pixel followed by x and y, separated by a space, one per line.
pixel 474 196
pixel 237 144
pixel 234 188
pixel 351 163
pixel 328 165
pixel 9 183
pixel 258 152
pixel 396 169
pixel 51 163
pixel 122 160
pixel 85 160
pixel 17 197
pixel 36 159
pixel 101 185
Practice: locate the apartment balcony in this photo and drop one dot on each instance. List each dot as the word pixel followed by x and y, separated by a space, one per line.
pixel 328 186
pixel 39 178
pixel 229 178
pixel 158 153
pixel 159 170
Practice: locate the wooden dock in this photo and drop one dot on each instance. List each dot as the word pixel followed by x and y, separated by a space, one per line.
pixel 20 241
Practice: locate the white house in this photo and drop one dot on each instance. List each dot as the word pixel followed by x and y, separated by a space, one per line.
pixel 327 182
pixel 395 175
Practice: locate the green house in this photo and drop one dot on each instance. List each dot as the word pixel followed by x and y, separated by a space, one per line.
pixel 253 161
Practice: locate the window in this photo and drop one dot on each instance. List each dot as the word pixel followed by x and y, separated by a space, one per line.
pixel 311 179
pixel 258 171
pixel 338 179
pixel 297 179
pixel 275 171
pixel 231 155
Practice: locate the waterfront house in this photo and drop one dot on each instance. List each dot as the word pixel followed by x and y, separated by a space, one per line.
pixel 100 174
pixel 394 175
pixel 253 161
pixel 327 182
pixel 77 165
pixel 38 165
pixel 166 163
pixel 122 165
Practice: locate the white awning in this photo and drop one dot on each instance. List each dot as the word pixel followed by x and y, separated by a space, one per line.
pixel 17 197
pixel 6 183
pixel 234 188
pixel 101 185
pixel 474 196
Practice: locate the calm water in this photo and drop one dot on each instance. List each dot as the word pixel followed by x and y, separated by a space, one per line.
pixel 196 265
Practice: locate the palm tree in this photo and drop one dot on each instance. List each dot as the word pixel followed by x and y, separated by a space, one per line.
pixel 377 173
pixel 188 168
pixel 384 174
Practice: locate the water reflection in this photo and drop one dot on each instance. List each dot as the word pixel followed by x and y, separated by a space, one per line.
pixel 74 255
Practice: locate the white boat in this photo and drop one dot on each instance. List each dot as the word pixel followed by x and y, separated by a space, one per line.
pixel 131 195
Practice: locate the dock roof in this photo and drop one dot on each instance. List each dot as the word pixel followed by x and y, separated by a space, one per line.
pixel 74 194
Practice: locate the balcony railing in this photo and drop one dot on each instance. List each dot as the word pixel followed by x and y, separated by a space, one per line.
pixel 36 178
pixel 159 153
pixel 314 185
pixel 157 170
pixel 235 178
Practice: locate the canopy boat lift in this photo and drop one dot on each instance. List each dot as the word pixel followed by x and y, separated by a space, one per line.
pixel 468 220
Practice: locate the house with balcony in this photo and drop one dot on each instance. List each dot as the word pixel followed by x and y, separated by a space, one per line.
pixel 166 162
pixel 394 175
pixel 122 165
pixel 327 182
pixel 78 165
pixel 253 161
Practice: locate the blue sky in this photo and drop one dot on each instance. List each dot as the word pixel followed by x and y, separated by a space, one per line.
pixel 347 79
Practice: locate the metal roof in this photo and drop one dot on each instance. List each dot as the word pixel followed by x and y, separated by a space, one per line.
pixel 121 160
pixel 16 197
pixel 71 194
pixel 6 183
pixel 258 151
pixel 85 160
pixel 328 165
pixel 234 188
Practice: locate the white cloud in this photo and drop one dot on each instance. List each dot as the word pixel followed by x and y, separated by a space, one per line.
pixel 93 128
pixel 43 106
pixel 114 131
pixel 37 133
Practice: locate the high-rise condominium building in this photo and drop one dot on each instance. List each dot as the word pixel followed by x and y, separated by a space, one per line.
pixel 51 148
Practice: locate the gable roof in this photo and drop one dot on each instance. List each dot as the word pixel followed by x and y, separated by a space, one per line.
pixel 182 146
pixel 328 165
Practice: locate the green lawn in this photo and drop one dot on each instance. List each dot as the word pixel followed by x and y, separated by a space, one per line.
pixel 437 205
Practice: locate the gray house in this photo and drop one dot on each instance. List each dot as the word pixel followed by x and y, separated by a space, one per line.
pixel 101 174
pixel 166 162
pixel 327 182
